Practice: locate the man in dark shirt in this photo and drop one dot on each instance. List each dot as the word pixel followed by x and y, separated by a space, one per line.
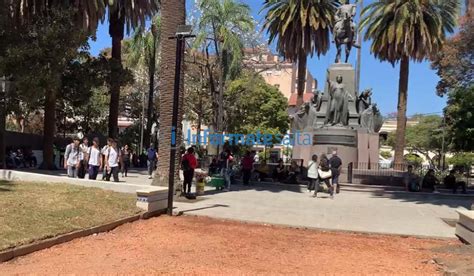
pixel 450 182
pixel 152 157
pixel 335 164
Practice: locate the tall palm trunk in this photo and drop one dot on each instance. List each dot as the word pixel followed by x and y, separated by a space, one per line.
pixel 173 13
pixel 302 62
pixel 402 110
pixel 2 129
pixel 116 31
pixel 49 130
pixel 151 94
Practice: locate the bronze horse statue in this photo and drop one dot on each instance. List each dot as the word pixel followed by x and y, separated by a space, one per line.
pixel 344 34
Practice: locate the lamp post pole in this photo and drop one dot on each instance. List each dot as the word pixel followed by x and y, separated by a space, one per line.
pixel 181 35
pixel 359 51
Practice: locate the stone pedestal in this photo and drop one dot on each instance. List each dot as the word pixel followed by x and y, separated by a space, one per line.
pixel 153 199
pixel 465 226
pixel 327 140
pixel 367 147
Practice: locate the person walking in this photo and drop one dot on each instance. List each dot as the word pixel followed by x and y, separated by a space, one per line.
pixel 313 174
pixel 112 160
pixel 72 158
pixel 94 159
pixel 335 163
pixel 103 152
pixel 83 166
pixel 152 157
pixel 126 157
pixel 188 164
pixel 247 167
pixel 325 175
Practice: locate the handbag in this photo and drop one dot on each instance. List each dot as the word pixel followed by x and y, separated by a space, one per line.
pixel 324 174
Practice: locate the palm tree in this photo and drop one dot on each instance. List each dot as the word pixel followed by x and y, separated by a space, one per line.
pixel 401 30
pixel 224 22
pixel 143 49
pixel 301 28
pixel 129 14
pixel 173 13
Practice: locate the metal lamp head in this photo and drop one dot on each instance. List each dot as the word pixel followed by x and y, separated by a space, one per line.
pixel 184 30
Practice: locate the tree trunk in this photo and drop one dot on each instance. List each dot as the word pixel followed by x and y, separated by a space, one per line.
pixel 173 13
pixel 151 94
pixel 401 111
pixel 302 61
pixel 116 32
pixel 222 77
pixel 2 128
pixel 49 130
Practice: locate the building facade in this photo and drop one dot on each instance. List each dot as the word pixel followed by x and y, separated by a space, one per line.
pixel 280 73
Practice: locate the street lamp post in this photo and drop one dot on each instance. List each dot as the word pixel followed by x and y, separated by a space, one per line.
pixel 5 87
pixel 183 32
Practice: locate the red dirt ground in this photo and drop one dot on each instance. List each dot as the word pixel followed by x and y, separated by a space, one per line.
pixel 203 246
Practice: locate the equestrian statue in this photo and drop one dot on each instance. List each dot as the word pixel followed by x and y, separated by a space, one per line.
pixel 345 31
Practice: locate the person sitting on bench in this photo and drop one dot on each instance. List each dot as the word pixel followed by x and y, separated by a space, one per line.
pixel 430 181
pixel 280 173
pixel 450 183
pixel 293 173
pixel 262 171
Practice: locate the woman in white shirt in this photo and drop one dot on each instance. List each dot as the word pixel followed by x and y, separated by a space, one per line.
pixel 94 159
pixel 313 174
pixel 112 159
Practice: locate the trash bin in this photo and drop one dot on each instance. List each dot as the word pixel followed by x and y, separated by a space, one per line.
pixel 200 187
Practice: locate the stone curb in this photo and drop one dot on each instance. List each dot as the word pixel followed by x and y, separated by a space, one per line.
pixel 47 243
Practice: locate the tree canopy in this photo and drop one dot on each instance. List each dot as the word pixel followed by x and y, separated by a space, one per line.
pixel 253 105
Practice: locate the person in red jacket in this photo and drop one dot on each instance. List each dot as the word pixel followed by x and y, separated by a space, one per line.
pixel 247 167
pixel 188 164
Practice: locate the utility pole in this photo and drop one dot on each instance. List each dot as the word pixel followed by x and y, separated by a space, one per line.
pixel 359 50
pixel 183 32
pixel 443 154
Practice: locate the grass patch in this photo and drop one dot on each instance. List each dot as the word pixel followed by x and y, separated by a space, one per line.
pixel 32 211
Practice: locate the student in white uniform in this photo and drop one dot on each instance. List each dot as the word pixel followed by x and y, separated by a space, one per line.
pixel 94 159
pixel 112 159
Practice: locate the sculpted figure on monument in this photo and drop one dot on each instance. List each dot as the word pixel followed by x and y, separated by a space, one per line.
pixel 371 119
pixel 314 107
pixel 344 30
pixel 364 100
pixel 338 108
pixel 300 118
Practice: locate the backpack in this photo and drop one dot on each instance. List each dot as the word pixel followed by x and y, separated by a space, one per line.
pixel 185 164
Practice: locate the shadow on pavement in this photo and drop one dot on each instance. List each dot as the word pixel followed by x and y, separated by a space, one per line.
pixel 452 201
pixel 180 213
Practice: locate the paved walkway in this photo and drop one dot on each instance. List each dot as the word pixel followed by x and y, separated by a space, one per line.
pixel 365 211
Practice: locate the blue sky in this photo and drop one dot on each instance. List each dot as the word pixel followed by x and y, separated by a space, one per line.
pixel 382 77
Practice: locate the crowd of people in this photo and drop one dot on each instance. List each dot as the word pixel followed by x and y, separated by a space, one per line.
pixel 20 158
pixel 326 171
pixel 81 158
pixel 430 182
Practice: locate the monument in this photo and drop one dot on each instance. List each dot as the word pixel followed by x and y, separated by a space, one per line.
pixel 340 119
